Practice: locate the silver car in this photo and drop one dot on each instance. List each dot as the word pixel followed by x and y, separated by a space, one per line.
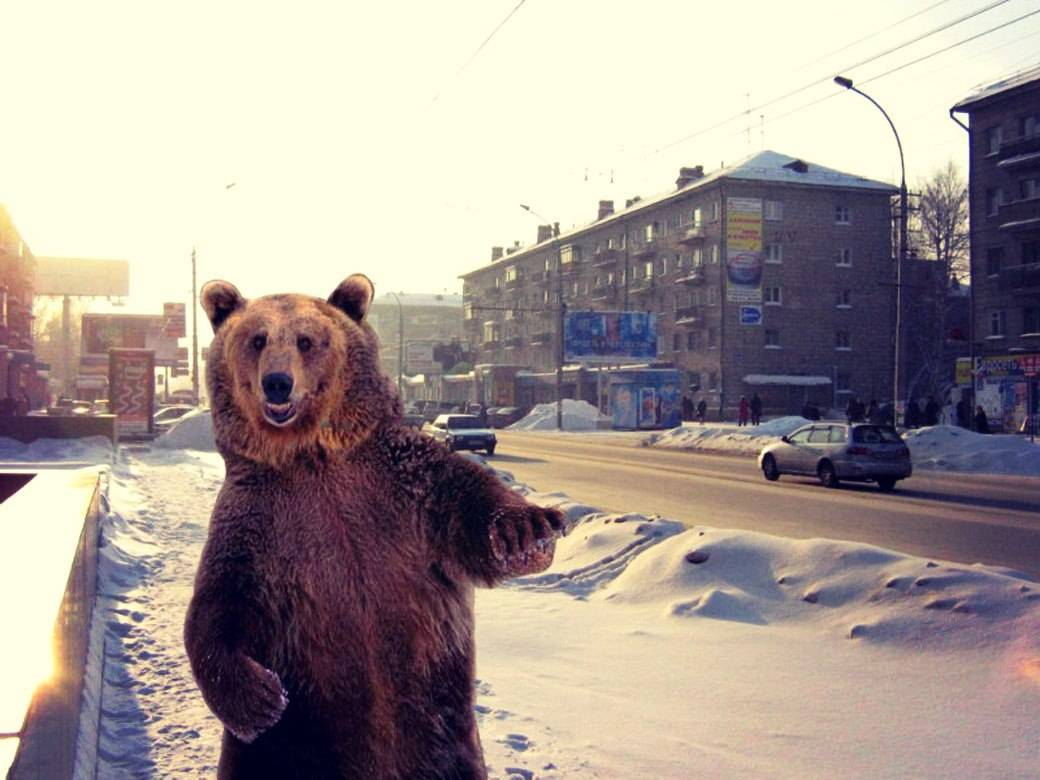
pixel 860 452
pixel 462 432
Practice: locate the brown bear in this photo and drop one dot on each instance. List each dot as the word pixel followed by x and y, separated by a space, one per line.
pixel 331 626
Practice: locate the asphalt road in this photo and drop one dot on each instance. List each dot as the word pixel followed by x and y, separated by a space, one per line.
pixel 963 518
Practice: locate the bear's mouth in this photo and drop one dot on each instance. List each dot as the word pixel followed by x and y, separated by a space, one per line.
pixel 280 414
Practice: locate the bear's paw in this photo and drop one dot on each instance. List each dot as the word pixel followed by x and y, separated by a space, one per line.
pixel 259 705
pixel 523 539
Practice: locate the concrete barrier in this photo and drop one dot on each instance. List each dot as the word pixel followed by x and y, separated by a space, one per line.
pixel 48 580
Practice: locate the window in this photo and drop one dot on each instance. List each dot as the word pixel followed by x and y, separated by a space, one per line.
pixel 467 311
pixel 662 266
pixel 1029 125
pixel 1029 188
pixel 548 264
pixel 842 340
pixel 570 254
pixel 843 382
pixel 994 260
pixel 774 253
pixel 713 296
pixel 843 257
pixel 650 232
pixel 696 218
pixel 820 435
pixel 512 274
pixel 713 211
pixel 1031 321
pixel 997 324
pixel 676 342
pixel 691 340
pixel 697 258
pixel 714 257
pixel 994 137
pixel 680 261
pixel 773 339
pixel 648 269
pixel 610 278
pixel 801 437
pixel 574 289
pixel 842 215
pixel 772 296
pixel 773 210
pixel 844 299
pixel 713 380
pixel 1030 252
pixel 713 338
pixel 490 332
pixel 994 200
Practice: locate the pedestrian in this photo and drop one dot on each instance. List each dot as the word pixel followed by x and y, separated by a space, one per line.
pixel 981 422
pixel 756 409
pixel 687 408
pixel 931 411
pixel 810 412
pixel 851 409
pixel 963 411
pixel 742 411
pixel 912 415
pixel 702 410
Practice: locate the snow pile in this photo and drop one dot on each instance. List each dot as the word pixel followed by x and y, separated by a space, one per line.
pixel 743 440
pixel 91 449
pixel 950 448
pixel 577 416
pixel 194 431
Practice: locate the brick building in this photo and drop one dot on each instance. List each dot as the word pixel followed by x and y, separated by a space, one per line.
pixel 19 373
pixel 1004 207
pixel 773 276
pixel 429 320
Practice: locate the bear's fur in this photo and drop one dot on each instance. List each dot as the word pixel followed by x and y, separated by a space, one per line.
pixel 331 627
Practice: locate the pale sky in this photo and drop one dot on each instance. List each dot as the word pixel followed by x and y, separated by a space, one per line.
pixel 367 137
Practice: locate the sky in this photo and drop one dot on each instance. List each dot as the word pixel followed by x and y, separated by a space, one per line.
pixel 399 138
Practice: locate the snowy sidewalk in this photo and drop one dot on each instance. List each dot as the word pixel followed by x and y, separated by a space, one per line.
pixel 648 650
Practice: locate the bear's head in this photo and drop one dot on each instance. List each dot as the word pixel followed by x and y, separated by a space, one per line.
pixel 291 375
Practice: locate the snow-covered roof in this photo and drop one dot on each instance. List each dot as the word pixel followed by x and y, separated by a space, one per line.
pixel 786 379
pixel 983 92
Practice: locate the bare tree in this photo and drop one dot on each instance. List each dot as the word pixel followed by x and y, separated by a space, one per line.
pixel 938 304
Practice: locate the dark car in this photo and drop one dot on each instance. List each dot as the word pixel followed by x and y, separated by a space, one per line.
pixel 433 409
pixel 832 452
pixel 462 432
pixel 504 416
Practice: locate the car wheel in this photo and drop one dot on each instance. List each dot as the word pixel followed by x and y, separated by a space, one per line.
pixel 491 450
pixel 828 477
pixel 769 469
pixel 886 484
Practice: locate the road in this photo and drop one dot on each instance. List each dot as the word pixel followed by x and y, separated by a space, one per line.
pixel 963 518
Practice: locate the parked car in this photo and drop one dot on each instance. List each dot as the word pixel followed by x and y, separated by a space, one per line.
pixel 166 417
pixel 413 416
pixel 833 452
pixel 462 432
pixel 434 409
pixel 504 416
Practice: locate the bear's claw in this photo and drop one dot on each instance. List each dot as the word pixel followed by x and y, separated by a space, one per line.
pixel 523 539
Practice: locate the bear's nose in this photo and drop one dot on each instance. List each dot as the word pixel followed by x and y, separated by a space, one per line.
pixel 277 387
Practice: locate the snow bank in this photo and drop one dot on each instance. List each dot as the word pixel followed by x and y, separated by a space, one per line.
pixel 744 440
pixel 577 416
pixel 194 431
pixel 92 449
pixel 950 448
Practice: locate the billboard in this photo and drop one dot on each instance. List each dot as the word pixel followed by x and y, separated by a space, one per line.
pixel 81 276
pixel 102 332
pixel 645 398
pixel 175 324
pixel 609 336
pixel 418 358
pixel 131 389
pixel 744 250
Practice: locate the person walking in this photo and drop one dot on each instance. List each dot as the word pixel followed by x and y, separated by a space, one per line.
pixel 756 409
pixel 742 411
pixel 687 408
pixel 963 411
pixel 702 410
pixel 931 411
pixel 981 421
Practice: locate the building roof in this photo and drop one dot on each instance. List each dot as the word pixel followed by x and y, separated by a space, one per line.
pixel 765 166
pixel 419 299
pixel 1020 78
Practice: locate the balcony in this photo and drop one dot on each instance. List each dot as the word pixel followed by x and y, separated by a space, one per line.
pixel 648 248
pixel 514 284
pixel 1020 153
pixel 1020 278
pixel 513 342
pixel 693 275
pixel 689 315
pixel 606 256
pixel 690 234
pixel 491 343
pixel 541 337
pixel 641 286
pixel 604 293
pixel 492 292
pixel 1020 215
pixel 571 269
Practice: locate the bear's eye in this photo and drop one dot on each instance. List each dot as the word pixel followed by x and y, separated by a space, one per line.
pixel 304 343
pixel 259 342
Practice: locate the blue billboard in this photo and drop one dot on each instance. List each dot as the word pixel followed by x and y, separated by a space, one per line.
pixel 609 336
pixel 645 398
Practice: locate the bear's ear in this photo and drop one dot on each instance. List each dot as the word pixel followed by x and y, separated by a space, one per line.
pixel 354 296
pixel 220 299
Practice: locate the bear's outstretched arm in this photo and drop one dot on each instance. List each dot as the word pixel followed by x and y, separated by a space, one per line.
pixel 484 528
pixel 247 698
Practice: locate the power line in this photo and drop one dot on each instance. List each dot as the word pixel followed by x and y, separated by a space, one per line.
pixel 482 45
pixel 827 78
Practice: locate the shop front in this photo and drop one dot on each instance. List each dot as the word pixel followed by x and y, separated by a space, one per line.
pixel 1008 390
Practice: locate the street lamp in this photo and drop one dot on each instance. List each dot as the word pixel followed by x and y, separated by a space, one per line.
pixel 841 81
pixel 400 343
pixel 561 314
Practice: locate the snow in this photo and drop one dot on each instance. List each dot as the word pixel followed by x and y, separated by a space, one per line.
pixel 648 649
pixel 935 448
pixel 194 431
pixel 577 416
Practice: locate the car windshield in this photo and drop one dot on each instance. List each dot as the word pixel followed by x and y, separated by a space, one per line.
pixel 872 434
pixel 464 423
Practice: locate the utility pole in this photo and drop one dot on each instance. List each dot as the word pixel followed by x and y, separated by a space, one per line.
pixel 562 308
pixel 194 335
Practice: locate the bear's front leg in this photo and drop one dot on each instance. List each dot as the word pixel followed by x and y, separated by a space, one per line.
pixel 522 539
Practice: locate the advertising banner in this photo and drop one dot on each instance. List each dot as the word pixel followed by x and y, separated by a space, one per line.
pixel 609 337
pixel 131 388
pixel 744 250
pixel 418 358
pixel 174 314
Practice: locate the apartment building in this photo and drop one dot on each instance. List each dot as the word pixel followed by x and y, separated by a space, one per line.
pixel 774 275
pixel 1004 207
pixel 428 320
pixel 19 372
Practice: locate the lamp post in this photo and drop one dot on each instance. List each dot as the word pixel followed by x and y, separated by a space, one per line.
pixel 400 343
pixel 841 81
pixel 561 311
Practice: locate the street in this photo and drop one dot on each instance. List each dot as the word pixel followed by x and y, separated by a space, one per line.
pixel 965 518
